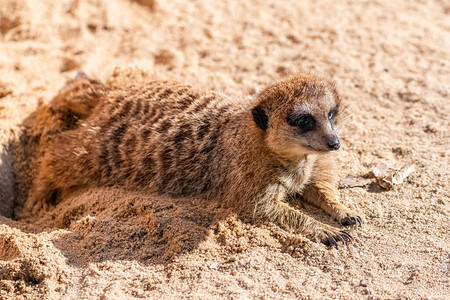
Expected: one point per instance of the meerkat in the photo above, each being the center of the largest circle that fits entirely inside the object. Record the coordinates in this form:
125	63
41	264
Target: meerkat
255	154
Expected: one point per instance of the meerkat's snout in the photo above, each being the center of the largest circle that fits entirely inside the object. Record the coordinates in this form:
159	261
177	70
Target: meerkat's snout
333	143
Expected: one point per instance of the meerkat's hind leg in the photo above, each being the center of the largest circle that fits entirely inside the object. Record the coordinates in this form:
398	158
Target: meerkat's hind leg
80	95
273	208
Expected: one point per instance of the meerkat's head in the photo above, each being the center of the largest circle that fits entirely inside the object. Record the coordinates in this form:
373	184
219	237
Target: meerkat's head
299	115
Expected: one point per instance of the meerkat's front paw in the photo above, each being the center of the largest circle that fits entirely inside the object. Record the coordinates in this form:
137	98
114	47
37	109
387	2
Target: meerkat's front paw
330	236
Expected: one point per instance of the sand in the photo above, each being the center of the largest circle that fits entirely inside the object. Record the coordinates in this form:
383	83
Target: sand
391	62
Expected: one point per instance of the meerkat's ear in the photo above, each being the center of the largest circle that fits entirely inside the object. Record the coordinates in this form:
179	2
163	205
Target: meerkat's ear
260	117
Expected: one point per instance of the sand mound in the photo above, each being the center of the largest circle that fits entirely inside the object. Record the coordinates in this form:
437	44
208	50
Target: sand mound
390	61
29	260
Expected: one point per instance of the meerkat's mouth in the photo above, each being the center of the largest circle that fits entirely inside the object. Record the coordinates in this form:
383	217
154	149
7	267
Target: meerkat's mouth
319	150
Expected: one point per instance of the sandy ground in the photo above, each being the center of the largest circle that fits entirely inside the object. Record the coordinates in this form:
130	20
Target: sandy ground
391	61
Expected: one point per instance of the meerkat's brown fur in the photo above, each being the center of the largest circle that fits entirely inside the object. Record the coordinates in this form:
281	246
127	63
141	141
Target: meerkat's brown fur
173	139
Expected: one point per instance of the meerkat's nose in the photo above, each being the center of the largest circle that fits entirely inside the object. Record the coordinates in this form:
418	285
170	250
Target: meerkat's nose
333	143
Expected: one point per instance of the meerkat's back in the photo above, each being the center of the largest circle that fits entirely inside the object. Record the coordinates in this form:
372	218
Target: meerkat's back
158	135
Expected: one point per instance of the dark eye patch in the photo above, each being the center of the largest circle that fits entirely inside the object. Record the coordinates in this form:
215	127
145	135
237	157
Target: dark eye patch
260	117
305	122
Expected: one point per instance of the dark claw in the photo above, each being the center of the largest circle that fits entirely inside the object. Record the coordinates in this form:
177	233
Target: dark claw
346	235
358	218
339	237
330	241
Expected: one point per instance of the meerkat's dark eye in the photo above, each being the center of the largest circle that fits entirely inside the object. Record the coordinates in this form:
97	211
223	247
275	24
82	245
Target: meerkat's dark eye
304	122
332	114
